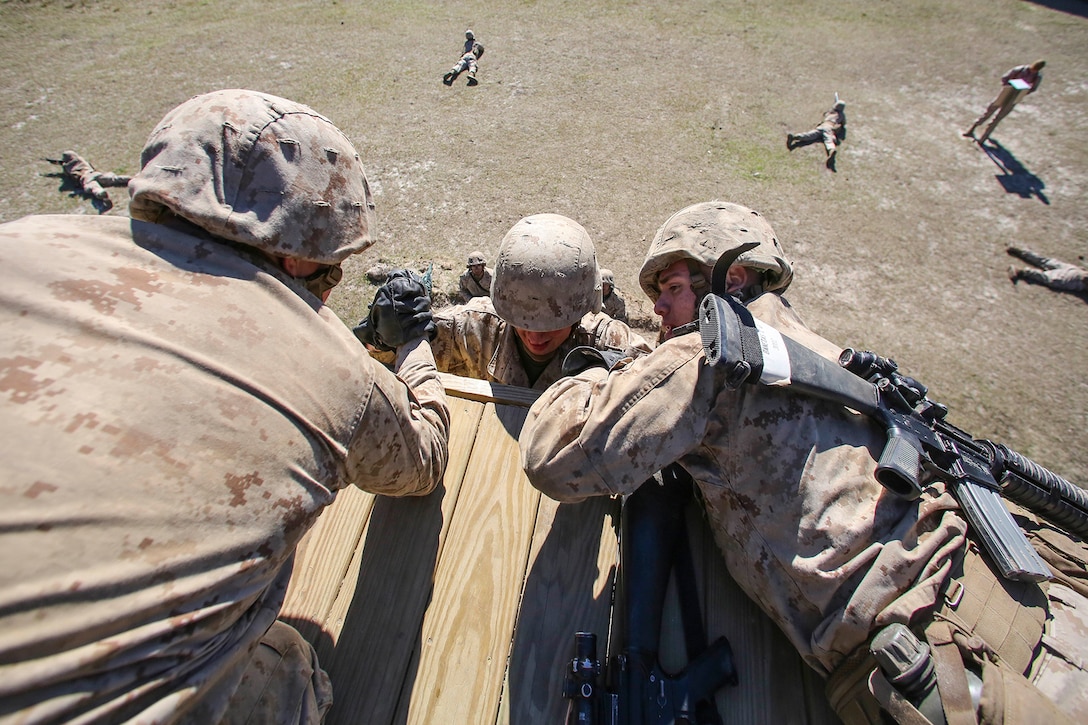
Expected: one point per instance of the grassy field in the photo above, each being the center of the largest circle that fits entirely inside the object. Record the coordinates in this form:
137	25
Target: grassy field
618	113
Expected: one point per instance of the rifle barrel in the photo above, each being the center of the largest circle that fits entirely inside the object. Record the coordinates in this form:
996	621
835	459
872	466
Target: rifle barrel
1041	491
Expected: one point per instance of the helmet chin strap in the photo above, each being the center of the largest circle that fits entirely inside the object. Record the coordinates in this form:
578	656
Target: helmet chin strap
721	268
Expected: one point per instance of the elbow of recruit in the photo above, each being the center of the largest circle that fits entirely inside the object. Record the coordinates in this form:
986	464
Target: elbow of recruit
541	469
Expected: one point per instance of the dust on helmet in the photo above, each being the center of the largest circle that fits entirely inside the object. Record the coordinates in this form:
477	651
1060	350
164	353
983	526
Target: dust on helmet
258	170
475	258
607	277
546	275
703	232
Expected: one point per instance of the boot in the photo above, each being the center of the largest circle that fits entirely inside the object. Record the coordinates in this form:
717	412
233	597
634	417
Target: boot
449	78
789	141
472	79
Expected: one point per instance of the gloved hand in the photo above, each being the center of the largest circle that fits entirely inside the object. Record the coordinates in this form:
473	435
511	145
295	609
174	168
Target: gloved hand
401	311
584	357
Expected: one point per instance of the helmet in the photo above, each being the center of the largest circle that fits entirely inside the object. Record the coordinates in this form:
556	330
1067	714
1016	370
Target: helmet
703	232
476	258
258	170
607	277
469	35
546	274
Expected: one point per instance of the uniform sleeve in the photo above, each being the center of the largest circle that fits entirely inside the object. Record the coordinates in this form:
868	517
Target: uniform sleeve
617	335
601	433
447	344
401	449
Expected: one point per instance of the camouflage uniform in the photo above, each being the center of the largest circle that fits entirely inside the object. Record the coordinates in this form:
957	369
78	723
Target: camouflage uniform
474	342
756	455
1052	273
614	306
472	52
787	482
831	130
177	412
613	303
472	287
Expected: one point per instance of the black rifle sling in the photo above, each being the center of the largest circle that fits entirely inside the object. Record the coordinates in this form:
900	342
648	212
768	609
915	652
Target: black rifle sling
654	545
696	640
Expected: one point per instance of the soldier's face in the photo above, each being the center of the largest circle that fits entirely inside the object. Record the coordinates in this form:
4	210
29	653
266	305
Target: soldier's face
477	270
318	278
677	303
541	346
606	289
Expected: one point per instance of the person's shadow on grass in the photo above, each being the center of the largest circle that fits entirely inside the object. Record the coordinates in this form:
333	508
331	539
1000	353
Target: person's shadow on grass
1014	177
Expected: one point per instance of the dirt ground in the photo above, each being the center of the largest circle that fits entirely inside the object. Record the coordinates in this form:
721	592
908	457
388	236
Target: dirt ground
618	113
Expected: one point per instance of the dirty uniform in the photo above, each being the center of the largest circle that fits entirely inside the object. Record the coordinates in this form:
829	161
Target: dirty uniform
474	342
468	62
472	287
1052	273
175	415
786	481
1007	98
90	181
614	306
831	131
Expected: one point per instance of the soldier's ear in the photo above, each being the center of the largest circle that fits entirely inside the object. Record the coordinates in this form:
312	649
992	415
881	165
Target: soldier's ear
291	266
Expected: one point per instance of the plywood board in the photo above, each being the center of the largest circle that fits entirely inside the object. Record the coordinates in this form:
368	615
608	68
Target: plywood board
377	617
470	623
568	588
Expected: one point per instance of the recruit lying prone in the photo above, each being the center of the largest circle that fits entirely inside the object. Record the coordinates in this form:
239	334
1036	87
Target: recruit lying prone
632	688
921	446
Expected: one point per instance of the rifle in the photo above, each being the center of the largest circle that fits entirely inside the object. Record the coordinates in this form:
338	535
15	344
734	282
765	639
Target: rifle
921	444
636	689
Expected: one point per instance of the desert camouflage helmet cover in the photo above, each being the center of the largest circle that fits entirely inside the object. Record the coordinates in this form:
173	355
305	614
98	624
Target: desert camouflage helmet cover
259	170
607	277
703	232
475	258
546	275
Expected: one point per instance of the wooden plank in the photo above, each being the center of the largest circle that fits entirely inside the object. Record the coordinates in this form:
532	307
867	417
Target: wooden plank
470	623
488	392
321	562
377	617
775	684
568	588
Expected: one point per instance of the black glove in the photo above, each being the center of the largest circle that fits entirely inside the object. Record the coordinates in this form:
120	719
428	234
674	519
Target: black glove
401	311
585	357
